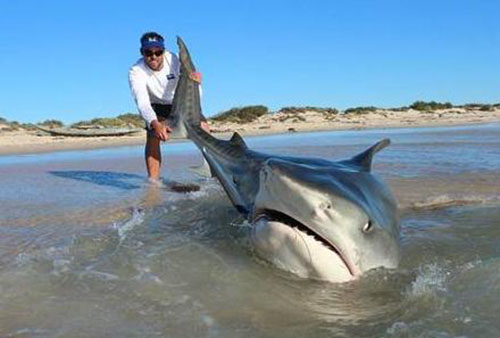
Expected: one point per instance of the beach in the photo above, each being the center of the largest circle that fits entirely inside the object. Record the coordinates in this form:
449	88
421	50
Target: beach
26	142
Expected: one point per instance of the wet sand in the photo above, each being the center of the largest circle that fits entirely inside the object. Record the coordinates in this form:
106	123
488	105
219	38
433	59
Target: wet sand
24	142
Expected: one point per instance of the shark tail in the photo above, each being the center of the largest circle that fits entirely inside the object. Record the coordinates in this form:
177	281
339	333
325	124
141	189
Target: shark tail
186	105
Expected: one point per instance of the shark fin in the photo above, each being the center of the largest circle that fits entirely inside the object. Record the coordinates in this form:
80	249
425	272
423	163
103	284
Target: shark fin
364	159
237	140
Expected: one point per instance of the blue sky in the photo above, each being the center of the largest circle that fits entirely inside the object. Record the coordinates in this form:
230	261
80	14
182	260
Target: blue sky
68	60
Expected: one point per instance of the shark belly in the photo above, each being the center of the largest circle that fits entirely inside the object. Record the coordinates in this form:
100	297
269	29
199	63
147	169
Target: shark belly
297	252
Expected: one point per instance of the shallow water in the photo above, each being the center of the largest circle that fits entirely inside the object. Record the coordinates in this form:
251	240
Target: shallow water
89	249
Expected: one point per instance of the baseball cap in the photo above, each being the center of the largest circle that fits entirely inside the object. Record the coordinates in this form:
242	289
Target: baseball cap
152	41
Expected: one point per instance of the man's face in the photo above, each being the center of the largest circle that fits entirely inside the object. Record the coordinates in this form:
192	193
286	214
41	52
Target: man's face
153	57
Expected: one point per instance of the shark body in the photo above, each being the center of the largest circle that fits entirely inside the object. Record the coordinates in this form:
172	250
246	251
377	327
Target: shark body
313	217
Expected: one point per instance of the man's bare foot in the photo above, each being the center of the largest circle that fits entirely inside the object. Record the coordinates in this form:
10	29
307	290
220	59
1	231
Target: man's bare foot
156	182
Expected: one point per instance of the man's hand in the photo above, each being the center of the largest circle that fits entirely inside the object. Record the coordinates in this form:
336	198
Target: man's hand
161	131
195	76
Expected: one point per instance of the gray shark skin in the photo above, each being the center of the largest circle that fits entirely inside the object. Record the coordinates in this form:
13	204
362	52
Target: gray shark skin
316	218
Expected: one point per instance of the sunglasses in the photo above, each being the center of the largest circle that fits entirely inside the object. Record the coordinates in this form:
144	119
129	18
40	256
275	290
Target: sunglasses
150	53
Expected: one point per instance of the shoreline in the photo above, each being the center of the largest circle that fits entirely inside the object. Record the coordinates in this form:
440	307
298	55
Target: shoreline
31	142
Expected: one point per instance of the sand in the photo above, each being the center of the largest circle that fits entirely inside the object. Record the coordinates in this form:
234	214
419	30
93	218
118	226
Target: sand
24	142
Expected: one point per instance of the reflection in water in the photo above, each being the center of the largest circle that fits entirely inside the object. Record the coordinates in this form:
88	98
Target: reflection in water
151	197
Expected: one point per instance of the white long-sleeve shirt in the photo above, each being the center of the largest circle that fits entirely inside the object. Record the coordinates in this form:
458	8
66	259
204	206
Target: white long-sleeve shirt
149	86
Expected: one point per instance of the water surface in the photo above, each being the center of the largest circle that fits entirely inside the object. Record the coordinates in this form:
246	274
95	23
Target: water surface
89	249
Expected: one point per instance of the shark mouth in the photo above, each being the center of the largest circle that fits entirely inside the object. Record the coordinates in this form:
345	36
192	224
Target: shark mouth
278	216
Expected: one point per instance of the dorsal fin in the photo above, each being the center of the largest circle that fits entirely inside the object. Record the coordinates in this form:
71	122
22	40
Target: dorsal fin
237	140
364	159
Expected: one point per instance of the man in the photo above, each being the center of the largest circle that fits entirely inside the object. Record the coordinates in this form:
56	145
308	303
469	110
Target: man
153	79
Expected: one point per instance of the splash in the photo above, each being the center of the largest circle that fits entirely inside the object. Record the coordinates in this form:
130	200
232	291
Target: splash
430	280
135	220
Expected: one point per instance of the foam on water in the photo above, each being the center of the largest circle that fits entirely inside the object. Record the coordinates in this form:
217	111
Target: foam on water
135	220
445	201
431	279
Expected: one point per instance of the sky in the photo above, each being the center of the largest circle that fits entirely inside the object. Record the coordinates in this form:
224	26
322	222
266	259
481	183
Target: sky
69	60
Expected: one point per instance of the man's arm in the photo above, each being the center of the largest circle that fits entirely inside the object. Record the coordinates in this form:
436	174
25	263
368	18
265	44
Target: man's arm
139	90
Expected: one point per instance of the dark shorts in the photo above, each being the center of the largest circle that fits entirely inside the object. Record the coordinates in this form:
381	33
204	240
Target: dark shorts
164	115
163	112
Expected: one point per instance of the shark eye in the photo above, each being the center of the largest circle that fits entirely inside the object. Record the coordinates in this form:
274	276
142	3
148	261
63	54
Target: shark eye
368	226
325	205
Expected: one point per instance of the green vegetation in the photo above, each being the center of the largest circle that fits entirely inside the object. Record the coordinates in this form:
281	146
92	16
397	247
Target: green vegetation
295	113
128	120
121	121
432	105
103	122
479	106
248	114
52	124
28	126
14	125
295	116
404	108
132	119
241	115
486	107
298	110
360	110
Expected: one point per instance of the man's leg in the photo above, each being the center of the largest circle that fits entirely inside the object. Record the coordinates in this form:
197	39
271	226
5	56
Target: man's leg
153	156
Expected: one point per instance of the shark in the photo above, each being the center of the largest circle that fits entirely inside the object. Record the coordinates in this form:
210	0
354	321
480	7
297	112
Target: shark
316	218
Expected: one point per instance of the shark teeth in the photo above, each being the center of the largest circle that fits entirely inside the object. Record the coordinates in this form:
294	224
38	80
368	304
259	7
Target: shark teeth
277	216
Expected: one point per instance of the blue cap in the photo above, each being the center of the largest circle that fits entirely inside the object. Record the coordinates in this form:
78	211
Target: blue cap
152	41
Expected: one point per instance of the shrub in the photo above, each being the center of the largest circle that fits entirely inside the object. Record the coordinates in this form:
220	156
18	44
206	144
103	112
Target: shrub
404	108
104	122
360	110
471	106
131	119
52	123
80	123
432	105
121	121
479	106
241	115
28	126
14	125
108	122
486	107
296	110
